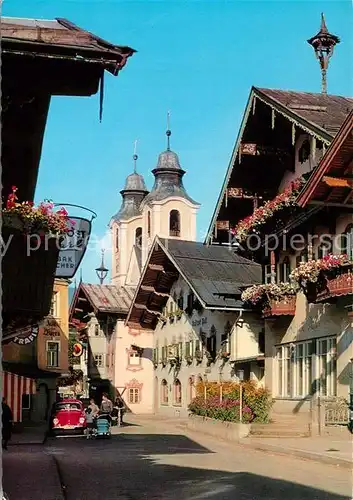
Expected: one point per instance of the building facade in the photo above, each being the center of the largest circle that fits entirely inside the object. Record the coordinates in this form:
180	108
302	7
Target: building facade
308	341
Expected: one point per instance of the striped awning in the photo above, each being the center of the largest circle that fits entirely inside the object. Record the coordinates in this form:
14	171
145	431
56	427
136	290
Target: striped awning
13	388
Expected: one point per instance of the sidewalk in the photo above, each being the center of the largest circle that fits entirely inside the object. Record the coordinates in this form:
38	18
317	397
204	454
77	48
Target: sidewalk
334	450
29	434
29	472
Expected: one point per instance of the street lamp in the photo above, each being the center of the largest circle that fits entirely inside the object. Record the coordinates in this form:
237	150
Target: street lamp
323	43
102	271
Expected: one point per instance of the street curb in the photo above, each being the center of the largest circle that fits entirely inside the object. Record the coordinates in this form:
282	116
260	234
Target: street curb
268	448
306	455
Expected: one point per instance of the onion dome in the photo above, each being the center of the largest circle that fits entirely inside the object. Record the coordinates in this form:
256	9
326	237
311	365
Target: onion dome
168	177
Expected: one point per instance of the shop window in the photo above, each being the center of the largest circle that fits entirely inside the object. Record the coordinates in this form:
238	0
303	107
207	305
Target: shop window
325	248
307	367
138	237
174	223
177	392
164	392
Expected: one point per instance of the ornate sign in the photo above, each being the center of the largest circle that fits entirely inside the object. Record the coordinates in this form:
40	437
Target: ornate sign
51	328
26	335
73	247
77	349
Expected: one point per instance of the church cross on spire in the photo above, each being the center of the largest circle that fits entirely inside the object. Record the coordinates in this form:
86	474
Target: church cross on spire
135	157
168	132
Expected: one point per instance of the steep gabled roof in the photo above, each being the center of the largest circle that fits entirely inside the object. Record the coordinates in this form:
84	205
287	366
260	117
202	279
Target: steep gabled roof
331	181
109	299
214	274
319	115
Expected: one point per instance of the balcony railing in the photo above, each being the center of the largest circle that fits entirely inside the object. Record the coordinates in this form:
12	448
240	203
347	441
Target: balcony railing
337	286
284	306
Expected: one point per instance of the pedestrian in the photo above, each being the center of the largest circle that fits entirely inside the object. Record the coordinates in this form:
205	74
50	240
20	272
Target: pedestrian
7	419
90	422
106	405
94	408
120	406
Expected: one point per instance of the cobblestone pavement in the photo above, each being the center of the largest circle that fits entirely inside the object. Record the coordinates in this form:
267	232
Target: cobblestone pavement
161	463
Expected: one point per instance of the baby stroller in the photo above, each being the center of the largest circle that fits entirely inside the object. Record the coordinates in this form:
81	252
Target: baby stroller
103	425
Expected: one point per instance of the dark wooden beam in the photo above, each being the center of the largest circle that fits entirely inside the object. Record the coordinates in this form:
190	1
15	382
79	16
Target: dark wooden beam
330	204
142	307
151	289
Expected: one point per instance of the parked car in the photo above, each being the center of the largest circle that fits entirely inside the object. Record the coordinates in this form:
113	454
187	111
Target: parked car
68	417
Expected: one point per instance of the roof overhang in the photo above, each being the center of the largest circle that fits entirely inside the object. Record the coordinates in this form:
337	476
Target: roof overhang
331	182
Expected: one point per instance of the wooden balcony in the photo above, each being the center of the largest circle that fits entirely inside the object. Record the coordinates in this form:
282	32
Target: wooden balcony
280	307
336	286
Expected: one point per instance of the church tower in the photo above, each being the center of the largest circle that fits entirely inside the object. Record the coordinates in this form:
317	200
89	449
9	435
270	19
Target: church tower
127	229
168	211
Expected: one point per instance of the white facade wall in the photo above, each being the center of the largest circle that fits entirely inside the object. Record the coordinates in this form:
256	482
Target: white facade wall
243	335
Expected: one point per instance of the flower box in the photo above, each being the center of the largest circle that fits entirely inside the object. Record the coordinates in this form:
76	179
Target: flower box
336	285
27	276
284	306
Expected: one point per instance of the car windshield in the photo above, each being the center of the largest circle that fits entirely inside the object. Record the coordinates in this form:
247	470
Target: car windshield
68	406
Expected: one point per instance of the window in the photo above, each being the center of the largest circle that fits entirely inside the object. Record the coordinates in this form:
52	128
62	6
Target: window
54	309
97	330
117	239
138	237
149	224
164	392
347	241
304	151
99	360
134	358
177	392
53	348
190	302
307	367
267	274
284	270
302	257
174	223
134	395
181	301
26	401
325	248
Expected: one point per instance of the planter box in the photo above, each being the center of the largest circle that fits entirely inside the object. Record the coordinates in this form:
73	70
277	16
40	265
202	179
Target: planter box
283	307
337	286
27	280
229	431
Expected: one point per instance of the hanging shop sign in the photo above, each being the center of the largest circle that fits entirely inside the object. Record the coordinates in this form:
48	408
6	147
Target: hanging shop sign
77	349
73	247
26	335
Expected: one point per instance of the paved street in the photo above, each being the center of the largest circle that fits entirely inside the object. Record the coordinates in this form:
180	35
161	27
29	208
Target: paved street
143	462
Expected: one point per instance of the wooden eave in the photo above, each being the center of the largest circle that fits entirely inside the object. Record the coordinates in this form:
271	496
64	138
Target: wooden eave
331	183
295	121
153	291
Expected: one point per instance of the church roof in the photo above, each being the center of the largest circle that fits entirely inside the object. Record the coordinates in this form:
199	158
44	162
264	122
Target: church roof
168	179
133	193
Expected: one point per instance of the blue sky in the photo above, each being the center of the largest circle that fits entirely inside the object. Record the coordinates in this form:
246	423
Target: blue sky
197	59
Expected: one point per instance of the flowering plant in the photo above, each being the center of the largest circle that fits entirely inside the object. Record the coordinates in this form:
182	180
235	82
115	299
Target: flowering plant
258	294
309	272
225	410
37	218
262	214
